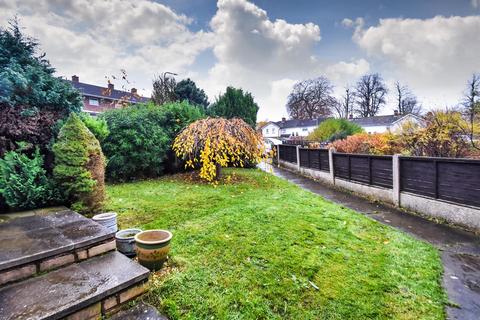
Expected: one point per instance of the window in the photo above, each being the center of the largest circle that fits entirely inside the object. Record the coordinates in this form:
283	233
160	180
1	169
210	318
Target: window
305	129
273	130
93	102
267	131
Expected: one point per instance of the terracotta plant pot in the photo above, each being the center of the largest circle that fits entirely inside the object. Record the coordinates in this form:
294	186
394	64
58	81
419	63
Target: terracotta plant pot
152	248
126	241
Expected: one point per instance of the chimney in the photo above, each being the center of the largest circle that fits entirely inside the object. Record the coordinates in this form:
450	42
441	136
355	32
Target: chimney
133	90
350	116
395	112
283	119
110	86
75	78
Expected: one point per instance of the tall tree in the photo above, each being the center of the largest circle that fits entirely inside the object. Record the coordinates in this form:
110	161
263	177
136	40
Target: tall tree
344	107
311	99
406	100
32	99
188	90
164	89
370	93
471	108
235	103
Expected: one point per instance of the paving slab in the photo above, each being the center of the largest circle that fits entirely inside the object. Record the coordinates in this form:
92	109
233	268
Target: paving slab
141	311
460	249
31	238
59	293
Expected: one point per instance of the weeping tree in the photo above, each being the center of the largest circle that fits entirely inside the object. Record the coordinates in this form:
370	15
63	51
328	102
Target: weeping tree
213	143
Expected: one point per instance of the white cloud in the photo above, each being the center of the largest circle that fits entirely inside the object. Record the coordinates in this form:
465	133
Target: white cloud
434	56
266	57
98	38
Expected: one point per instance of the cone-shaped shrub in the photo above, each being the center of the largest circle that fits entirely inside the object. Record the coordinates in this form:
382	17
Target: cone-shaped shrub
80	166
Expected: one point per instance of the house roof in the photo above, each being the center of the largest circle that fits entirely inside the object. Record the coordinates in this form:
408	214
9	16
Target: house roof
379	120
295	123
102	92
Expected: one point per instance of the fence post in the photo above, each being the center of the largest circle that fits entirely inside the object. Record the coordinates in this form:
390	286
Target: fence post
330	164
278	155
396	179
298	158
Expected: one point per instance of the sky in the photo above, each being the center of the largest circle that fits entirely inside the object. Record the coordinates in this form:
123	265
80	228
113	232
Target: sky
263	46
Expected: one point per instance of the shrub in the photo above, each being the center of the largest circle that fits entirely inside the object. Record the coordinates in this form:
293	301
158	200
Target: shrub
23	180
443	135
235	103
80	166
377	143
214	143
334	129
97	126
140	138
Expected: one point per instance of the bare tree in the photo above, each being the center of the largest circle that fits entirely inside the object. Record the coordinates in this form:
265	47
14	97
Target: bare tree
164	88
406	101
311	99
471	107
370	93
344	107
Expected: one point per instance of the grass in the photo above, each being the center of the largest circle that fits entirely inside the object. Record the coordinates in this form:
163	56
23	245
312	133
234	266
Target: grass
262	248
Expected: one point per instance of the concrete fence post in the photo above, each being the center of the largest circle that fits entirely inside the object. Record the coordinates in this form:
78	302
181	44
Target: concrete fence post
278	155
298	158
396	179
330	164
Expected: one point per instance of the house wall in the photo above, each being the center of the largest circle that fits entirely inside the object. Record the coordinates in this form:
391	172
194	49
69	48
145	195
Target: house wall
103	105
271	131
298	131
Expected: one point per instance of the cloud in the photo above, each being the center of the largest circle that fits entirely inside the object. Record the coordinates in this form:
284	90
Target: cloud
266	57
435	56
249	50
98	38
475	4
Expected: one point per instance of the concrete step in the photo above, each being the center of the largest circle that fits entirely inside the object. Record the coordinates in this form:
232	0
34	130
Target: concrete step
141	311
40	243
84	290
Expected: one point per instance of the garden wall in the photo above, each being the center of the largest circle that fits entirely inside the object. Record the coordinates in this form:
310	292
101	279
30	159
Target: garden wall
441	188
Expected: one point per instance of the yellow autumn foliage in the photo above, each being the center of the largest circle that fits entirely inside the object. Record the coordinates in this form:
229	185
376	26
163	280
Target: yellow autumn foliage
213	143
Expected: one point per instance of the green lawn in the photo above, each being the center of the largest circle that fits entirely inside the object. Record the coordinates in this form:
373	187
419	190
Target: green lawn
262	248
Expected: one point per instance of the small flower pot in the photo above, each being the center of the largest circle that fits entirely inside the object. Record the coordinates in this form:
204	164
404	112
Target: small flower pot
152	248
108	220
126	241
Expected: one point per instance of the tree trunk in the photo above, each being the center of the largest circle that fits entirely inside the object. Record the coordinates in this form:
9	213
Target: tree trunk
218	171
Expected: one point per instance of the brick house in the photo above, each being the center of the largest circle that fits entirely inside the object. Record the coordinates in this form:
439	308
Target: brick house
97	99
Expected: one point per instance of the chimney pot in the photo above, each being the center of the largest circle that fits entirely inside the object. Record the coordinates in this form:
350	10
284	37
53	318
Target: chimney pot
133	90
75	78
395	112
283	119
110	86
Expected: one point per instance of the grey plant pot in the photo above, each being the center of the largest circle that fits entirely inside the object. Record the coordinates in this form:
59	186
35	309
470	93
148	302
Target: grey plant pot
108	220
126	241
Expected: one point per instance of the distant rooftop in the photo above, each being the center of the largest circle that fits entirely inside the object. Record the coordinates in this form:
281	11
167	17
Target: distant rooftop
377	120
108	92
294	123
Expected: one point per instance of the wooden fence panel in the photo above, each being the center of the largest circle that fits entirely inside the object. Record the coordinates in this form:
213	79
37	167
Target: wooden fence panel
304	158
314	158
381	169
341	165
454	180
324	161
288	153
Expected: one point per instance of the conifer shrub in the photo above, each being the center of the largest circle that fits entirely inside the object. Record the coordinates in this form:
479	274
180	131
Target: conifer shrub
24	183
80	166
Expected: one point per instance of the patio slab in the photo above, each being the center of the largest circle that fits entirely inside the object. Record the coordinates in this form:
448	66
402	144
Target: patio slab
34	237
